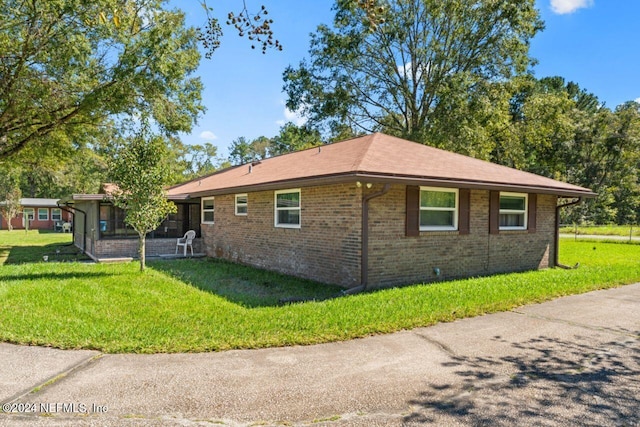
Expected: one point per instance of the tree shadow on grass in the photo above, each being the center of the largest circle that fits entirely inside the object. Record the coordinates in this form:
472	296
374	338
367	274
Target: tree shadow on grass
55	252
549	382
244	285
54	276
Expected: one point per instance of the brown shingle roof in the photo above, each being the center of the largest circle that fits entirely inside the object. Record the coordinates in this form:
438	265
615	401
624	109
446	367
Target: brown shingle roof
373	158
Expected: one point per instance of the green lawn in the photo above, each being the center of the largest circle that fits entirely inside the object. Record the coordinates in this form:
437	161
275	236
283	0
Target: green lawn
20	246
202	305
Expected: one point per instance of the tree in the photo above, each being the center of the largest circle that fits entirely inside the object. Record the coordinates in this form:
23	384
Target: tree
140	171
395	76
242	151
71	64
203	160
294	138
10	205
562	131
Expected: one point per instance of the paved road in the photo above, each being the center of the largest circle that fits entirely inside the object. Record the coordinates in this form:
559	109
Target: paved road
572	361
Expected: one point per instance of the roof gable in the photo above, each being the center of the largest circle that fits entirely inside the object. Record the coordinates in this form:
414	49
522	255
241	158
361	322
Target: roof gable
375	157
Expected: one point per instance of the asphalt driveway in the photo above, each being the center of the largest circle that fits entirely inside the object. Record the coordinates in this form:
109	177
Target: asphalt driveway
572	361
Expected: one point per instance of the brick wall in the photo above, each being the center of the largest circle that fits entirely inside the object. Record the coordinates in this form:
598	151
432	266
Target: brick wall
395	259
106	248
325	248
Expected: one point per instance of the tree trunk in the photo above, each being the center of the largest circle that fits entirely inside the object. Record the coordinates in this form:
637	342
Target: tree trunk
141	251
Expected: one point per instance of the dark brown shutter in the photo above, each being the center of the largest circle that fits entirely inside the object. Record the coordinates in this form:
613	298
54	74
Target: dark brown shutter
413	211
494	212
531	220
464	210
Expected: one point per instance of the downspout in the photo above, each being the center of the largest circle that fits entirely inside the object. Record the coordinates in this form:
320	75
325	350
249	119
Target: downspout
84	228
556	248
364	256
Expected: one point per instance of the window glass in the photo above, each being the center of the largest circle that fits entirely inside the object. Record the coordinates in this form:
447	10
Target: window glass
111	222
438	209
241	204
28	213
288	200
512	203
512	220
287	208
208	209
56	214
43	214
438	199
436	218
513	211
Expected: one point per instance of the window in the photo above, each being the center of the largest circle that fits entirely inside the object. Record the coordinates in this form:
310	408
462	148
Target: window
438	209
56	214
28	213
43	214
513	211
241	204
287	208
208	208
111	223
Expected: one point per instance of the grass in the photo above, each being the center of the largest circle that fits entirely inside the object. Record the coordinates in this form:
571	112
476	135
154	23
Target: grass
20	246
205	305
603	230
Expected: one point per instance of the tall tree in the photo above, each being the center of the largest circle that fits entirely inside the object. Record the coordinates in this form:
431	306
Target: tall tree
10	205
394	76
240	151
203	159
140	170
69	64
243	151
294	138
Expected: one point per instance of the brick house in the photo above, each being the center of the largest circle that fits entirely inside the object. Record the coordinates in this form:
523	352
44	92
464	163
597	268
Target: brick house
42	214
379	211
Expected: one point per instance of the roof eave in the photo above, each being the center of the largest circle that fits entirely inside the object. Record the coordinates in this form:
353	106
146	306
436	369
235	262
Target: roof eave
384	179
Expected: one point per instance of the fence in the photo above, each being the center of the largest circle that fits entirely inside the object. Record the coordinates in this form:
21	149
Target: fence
614	232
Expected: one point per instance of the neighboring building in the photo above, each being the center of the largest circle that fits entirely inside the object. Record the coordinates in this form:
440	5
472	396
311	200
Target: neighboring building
377	211
371	211
42	214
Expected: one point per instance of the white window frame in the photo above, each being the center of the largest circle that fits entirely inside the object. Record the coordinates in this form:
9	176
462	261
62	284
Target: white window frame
203	210
46	211
525	212
54	212
239	204
29	213
276	209
455	209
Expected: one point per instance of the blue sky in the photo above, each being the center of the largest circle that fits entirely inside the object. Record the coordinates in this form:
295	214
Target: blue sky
591	42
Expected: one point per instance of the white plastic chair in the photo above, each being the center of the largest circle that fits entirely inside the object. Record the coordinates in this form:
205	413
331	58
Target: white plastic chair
185	241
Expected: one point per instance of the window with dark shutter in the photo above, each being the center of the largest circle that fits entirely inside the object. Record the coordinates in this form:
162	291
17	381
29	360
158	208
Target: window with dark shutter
464	220
413	211
494	212
531	221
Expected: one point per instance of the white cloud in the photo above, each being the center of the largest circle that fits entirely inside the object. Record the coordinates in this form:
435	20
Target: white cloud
637	100
207	134
292	116
406	70
563	7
